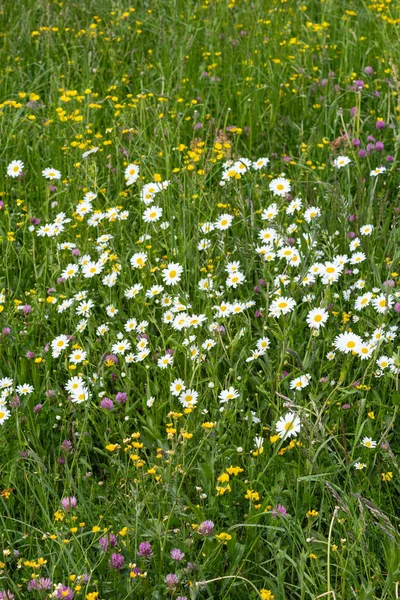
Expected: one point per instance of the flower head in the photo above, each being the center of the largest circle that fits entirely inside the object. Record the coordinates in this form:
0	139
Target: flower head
176	554
15	168
145	550
206	528
69	502
288	425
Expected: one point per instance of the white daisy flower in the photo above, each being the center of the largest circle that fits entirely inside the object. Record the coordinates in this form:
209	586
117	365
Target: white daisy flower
341	161
15	168
280	186
51	173
289	425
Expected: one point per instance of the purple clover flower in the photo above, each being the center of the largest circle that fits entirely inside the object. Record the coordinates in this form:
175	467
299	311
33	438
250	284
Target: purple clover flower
112	358
279	510
109	541
44	583
172	581
145	550
107	403
121	397
358	85
176	554
206	528
65	593
69	502
15	401
66	446
117	561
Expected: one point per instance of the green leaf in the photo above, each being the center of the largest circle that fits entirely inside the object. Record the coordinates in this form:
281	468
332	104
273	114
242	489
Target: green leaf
396	398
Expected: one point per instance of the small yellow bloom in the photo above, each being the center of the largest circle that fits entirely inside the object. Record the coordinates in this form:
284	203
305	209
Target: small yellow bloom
250	495
111	447
223	490
266	594
223	537
234	470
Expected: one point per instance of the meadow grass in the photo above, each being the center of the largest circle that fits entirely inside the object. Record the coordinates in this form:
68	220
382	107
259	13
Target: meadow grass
199	301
